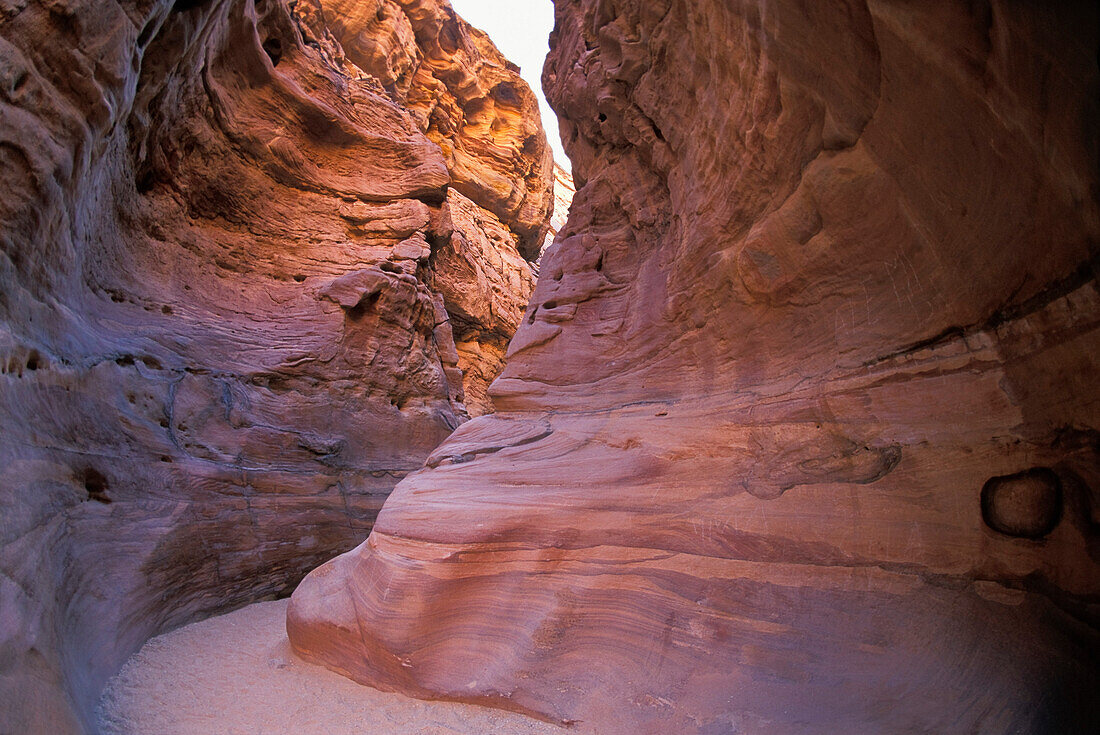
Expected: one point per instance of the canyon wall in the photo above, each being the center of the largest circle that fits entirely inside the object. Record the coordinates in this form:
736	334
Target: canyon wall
237	242
564	190
801	431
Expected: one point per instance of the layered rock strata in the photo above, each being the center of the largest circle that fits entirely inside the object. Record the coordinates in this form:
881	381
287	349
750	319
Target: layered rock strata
800	431
564	190
234	255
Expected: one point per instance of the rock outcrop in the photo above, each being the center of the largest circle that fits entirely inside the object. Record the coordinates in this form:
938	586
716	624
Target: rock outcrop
237	240
801	431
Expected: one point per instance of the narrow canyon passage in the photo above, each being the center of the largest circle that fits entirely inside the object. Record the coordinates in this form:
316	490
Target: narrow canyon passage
258	260
799	431
792	426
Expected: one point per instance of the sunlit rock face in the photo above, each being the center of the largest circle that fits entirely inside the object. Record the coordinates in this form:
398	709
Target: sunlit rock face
564	190
465	96
234	257
800	431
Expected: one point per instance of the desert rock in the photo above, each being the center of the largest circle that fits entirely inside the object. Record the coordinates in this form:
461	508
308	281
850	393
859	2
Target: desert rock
226	301
563	197
830	269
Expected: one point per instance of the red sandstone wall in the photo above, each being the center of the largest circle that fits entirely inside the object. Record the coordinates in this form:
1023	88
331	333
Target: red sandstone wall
233	258
799	433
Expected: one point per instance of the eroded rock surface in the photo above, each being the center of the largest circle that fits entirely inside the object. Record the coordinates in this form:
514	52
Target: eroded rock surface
830	269
235	240
564	190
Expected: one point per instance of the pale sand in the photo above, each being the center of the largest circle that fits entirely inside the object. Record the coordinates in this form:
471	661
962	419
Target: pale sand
236	675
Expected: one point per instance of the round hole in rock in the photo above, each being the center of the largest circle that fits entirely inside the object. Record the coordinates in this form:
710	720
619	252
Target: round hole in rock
273	47
95	484
20	81
450	36
507	93
365	306
1027	504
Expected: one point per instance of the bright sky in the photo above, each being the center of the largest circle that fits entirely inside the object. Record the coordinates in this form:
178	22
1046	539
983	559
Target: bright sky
520	29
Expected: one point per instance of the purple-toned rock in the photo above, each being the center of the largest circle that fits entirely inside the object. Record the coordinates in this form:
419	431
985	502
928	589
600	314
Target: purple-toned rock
225	309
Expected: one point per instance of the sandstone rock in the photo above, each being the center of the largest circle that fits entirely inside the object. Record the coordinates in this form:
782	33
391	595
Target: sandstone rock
414	248
830	270
220	341
563	197
485	284
466	97
1027	504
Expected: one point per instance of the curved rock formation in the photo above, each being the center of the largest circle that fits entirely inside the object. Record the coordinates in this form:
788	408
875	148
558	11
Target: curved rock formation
233	259
831	270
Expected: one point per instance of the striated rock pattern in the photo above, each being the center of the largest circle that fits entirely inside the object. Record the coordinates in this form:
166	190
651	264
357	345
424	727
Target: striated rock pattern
563	197
482	279
465	96
234	257
801	431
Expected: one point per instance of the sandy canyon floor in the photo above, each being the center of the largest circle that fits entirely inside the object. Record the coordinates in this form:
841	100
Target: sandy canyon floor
236	675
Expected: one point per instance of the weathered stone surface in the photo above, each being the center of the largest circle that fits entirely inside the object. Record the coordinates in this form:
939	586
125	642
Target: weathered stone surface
466	97
830	269
1027	504
220	338
485	285
563	197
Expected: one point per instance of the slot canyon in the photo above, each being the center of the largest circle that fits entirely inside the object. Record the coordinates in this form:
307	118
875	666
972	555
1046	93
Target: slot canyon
788	423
